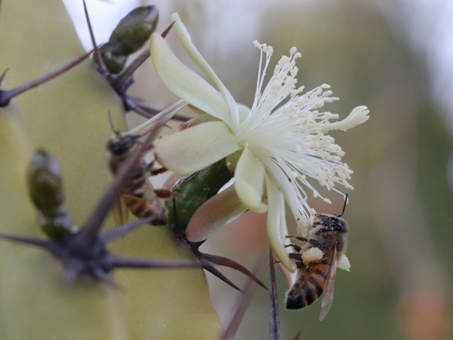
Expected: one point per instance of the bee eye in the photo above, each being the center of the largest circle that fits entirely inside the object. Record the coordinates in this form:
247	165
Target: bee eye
340	225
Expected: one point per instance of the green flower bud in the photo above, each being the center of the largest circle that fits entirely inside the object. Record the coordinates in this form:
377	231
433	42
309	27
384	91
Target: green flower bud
129	35
192	191
134	30
45	186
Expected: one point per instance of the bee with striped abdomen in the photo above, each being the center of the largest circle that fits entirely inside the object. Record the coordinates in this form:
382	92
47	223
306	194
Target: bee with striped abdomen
138	195
317	263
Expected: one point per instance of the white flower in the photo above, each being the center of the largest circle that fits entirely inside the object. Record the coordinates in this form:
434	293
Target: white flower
277	146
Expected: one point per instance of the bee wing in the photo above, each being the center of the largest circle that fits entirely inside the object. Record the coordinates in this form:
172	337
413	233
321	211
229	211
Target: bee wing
327	296
120	212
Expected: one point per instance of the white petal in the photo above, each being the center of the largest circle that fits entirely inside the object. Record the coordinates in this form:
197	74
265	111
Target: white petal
276	224
184	82
249	181
216	212
243	112
198	59
195	148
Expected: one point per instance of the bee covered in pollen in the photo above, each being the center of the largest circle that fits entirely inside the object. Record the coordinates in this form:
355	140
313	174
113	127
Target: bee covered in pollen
317	263
138	194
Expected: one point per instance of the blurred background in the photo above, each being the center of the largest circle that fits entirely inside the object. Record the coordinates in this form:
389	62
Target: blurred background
394	56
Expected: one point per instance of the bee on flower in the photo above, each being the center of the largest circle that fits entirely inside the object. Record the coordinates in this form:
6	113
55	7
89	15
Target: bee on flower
274	148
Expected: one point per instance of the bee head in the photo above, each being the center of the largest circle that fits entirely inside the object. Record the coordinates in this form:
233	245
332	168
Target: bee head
121	144
331	223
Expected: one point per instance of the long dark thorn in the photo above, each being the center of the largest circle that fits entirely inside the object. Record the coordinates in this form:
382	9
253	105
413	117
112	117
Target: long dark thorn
297	337
29	240
203	258
214	271
152	112
6	96
242	305
145	111
114	234
3	74
164	33
274	315
223	261
130	104
101	67
131	263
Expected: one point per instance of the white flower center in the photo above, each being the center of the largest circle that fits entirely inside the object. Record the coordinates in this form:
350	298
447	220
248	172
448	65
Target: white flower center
285	131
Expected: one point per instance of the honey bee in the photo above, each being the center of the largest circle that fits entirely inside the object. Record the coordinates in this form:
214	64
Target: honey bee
329	234
138	194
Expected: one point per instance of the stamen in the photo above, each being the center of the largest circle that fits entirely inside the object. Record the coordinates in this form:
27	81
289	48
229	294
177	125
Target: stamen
285	131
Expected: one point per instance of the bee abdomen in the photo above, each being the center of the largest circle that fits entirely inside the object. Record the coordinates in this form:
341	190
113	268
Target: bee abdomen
303	294
309	287
142	208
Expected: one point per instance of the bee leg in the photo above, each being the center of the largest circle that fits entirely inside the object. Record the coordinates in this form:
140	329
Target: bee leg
296	247
153	172
164	193
295	256
300	238
312	241
158	171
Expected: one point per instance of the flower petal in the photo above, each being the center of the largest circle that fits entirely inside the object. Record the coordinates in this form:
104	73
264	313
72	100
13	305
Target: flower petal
249	181
243	112
276	224
216	212
195	148
184	82
198	59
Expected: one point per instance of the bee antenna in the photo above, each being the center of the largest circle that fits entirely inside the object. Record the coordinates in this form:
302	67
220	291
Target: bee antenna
112	126
344	205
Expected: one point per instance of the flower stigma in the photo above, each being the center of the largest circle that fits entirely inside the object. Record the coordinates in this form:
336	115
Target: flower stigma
277	148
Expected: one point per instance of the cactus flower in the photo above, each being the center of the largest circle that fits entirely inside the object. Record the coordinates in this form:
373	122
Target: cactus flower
276	148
